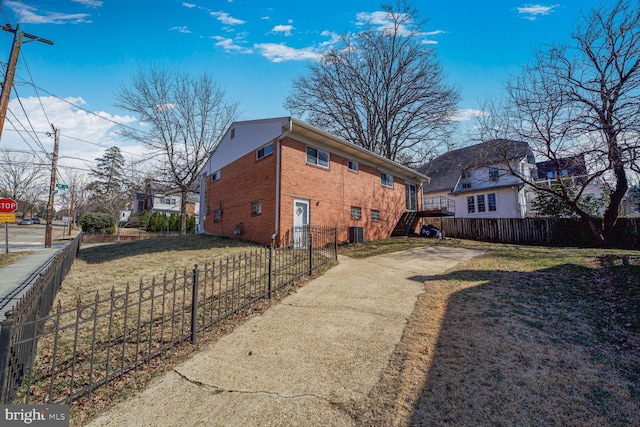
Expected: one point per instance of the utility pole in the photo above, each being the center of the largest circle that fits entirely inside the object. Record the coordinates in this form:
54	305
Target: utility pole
11	67
52	188
72	207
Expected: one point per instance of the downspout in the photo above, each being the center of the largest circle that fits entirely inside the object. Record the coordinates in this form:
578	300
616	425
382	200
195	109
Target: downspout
278	167
201	211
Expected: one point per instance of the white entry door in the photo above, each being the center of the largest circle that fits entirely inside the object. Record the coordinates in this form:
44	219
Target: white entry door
300	223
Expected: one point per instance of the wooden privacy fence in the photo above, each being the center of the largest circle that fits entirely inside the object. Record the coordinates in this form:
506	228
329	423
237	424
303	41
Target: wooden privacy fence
58	357
537	231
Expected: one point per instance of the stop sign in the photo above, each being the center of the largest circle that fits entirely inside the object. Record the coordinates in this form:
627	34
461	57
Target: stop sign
7	205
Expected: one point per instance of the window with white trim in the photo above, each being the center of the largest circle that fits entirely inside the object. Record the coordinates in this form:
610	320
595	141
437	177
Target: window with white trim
386	180
471	204
317	157
482	207
375	215
491	199
356	212
264	151
494	174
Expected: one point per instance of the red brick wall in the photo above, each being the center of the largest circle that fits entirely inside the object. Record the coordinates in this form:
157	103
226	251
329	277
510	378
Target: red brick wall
333	191
242	182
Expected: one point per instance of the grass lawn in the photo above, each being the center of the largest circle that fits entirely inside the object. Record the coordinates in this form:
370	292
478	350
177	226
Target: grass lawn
530	336
101	267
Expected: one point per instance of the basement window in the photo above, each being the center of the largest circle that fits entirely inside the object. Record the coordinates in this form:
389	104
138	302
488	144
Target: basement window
256	208
356	212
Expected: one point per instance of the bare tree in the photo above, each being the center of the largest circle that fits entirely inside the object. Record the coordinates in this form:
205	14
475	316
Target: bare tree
22	178
381	89
186	116
582	98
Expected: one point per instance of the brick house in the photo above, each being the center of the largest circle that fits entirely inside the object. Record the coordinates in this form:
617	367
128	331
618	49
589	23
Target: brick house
267	176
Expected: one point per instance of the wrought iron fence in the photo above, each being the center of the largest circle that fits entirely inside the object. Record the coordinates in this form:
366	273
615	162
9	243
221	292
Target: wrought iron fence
38	300
61	356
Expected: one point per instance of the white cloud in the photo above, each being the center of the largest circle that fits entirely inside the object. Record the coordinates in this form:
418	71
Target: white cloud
381	20
75	124
230	45
466	114
227	19
280	53
532	11
31	15
284	29
188	5
334	38
89	3
182	29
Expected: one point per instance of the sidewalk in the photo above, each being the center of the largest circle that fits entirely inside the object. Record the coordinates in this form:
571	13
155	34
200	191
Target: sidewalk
323	346
19	273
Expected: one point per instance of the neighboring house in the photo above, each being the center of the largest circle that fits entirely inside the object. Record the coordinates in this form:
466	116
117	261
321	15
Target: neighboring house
572	169
479	180
156	198
267	176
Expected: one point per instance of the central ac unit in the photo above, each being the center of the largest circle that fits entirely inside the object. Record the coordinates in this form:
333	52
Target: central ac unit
356	234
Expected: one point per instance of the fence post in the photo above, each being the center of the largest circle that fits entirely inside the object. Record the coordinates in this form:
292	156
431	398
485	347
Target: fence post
5	338
270	270
335	242
194	305
310	253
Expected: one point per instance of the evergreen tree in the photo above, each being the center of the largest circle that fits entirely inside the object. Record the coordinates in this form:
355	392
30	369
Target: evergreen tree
108	185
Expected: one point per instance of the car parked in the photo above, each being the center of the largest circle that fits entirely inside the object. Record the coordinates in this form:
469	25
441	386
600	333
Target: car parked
25	221
35	220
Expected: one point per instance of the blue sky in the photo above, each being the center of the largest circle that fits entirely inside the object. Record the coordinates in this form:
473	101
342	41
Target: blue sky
253	49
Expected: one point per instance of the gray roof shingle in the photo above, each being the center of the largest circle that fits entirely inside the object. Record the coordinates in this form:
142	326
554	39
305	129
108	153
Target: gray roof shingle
446	169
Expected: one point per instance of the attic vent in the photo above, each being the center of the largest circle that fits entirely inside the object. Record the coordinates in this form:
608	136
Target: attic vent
233	133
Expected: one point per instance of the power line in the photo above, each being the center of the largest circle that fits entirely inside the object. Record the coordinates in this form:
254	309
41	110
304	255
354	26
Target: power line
24	82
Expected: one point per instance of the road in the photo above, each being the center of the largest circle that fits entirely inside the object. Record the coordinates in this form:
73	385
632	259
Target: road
25	237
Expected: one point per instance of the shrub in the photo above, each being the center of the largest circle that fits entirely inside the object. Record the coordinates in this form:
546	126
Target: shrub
98	222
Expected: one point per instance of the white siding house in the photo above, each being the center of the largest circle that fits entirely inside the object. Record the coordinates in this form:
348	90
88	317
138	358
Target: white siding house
479	180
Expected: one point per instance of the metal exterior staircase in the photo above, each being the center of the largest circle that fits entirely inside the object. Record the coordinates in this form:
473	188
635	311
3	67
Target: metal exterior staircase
405	225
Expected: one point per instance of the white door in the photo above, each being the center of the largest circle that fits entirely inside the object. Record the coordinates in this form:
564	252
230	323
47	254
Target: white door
300	223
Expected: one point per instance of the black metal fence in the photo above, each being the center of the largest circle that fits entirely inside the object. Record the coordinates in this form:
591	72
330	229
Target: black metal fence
56	358
36	302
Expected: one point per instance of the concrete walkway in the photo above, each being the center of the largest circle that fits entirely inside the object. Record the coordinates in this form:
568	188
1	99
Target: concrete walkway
20	272
324	345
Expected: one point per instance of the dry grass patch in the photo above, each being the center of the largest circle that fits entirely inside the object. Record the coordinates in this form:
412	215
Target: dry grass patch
10	258
520	336
101	267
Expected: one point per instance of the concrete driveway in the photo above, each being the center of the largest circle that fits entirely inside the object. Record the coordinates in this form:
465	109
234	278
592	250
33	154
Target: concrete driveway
294	365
